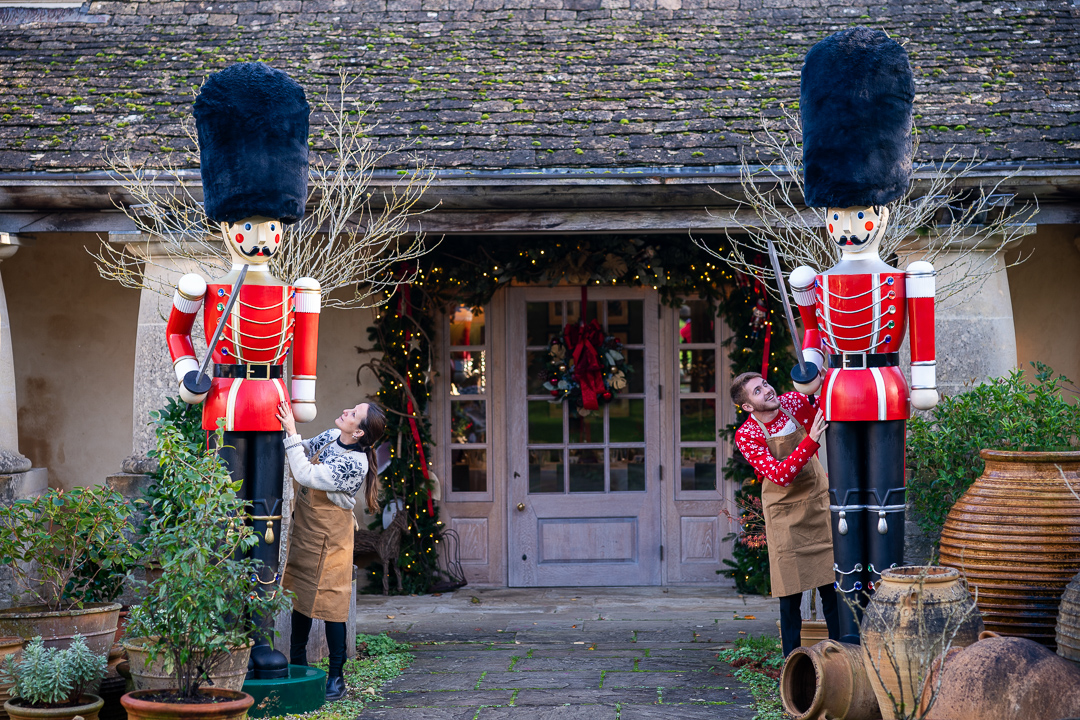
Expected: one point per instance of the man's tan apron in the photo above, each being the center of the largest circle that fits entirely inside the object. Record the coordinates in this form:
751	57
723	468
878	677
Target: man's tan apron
319	564
797	521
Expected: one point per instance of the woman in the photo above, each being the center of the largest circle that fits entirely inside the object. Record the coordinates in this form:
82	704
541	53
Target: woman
329	470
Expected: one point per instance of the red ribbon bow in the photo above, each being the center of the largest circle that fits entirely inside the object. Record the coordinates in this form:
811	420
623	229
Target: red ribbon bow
584	341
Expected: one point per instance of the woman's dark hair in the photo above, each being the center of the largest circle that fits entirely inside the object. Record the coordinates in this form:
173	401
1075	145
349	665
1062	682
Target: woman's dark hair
373	426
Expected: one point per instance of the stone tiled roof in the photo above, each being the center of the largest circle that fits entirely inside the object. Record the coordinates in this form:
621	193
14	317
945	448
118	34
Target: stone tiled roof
488	84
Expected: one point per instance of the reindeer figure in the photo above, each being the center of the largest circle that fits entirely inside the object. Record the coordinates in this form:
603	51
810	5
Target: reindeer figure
385	544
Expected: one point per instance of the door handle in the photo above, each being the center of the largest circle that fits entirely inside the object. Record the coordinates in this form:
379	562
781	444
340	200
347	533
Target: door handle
521	507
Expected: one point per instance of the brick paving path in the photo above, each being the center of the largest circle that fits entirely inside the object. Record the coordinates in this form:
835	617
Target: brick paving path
568	653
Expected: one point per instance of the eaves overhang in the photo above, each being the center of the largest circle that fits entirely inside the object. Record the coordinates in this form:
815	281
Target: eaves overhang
651	199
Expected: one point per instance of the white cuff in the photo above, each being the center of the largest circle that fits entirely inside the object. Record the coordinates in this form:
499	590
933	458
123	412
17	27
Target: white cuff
303	389
924	375
293	441
308	295
920	280
183	366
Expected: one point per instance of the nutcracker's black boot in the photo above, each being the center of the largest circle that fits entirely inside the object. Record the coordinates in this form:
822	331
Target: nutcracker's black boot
335	688
268	664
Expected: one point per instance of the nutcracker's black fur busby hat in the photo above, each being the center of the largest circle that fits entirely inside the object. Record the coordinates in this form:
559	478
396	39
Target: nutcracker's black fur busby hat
252	122
856	105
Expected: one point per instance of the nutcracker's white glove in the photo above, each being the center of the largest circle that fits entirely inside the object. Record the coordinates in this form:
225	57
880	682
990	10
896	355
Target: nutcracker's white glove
812	387
189	398
924	398
303	411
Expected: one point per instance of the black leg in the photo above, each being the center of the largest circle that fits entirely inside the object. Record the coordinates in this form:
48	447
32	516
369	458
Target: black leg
847	453
301	631
335	640
258	460
885	481
830	610
790	622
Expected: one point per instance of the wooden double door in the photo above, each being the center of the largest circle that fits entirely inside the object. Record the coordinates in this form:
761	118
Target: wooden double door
584	490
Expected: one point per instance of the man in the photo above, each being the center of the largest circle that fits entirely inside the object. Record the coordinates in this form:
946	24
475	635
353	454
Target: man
780	441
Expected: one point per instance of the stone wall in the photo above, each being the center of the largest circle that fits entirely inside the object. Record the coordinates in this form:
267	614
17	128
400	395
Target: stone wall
72	340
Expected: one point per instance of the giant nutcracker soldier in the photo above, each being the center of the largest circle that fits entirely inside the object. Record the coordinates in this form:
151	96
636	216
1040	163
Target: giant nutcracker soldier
252	123
856	106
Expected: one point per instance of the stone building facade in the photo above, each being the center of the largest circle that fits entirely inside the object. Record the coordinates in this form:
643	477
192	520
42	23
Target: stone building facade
538	116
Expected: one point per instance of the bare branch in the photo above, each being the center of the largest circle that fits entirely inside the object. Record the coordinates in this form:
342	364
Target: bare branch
353	241
965	250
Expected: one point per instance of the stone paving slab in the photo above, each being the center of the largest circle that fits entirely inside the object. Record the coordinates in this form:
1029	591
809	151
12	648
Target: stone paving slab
556	712
541	654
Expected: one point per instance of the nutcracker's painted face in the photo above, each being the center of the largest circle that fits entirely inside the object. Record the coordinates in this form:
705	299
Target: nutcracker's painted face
857	229
253	241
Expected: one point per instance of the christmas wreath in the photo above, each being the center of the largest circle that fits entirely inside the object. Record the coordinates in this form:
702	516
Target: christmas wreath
586	367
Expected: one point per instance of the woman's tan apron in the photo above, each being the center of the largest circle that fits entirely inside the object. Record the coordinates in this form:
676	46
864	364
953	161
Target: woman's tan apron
320	559
797	522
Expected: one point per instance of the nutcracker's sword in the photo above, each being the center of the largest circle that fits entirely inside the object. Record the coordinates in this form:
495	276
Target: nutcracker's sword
197	382
805	372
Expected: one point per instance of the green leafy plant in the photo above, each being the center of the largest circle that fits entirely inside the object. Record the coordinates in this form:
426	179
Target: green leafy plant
375	645
201	607
1008	413
762	652
49	677
757	662
67	547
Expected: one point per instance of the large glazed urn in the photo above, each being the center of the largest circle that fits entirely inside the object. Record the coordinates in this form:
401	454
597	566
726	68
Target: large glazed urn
915	615
1015	534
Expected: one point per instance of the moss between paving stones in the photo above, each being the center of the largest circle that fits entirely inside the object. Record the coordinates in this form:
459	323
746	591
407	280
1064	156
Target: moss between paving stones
363	678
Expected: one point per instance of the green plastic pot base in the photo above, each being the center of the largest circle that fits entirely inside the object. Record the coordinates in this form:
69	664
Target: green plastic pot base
303	691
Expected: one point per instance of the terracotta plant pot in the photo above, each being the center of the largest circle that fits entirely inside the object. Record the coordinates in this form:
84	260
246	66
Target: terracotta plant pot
95	621
1068	623
234	706
911	610
827	680
8	646
1002	678
229	674
1015	534
92	704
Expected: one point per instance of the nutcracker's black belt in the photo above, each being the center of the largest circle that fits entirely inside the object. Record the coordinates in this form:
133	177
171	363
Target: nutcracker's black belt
253	371
861	361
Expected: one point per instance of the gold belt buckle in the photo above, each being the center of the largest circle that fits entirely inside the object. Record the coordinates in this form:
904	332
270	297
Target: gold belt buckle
251	366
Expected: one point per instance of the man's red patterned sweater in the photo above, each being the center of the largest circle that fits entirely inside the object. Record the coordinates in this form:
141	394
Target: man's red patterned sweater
751	441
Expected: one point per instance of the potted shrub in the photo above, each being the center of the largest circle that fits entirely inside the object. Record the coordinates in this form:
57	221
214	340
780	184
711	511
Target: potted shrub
991	471
69	556
51	684
196	616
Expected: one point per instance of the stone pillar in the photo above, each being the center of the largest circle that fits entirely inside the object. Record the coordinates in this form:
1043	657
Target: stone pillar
154	380
10	459
17	478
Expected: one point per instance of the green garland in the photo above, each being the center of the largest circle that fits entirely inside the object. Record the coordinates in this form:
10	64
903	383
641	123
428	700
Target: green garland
464	272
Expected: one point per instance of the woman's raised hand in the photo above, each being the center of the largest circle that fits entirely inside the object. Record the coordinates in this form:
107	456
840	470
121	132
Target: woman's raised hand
285	415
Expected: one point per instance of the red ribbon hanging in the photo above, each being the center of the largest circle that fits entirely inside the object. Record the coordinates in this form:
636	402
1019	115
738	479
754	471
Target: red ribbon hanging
583	341
405	308
765	351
